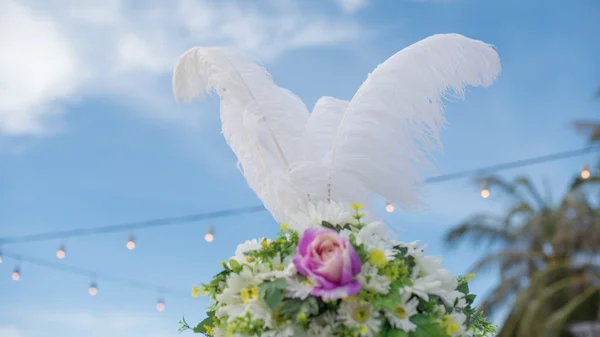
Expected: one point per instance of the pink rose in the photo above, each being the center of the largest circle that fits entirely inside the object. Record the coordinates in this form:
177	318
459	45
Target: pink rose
329	261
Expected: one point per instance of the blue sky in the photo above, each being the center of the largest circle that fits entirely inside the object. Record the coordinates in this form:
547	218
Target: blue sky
90	135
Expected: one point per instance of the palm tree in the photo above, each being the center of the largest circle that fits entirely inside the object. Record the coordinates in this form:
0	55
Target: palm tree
590	128
529	244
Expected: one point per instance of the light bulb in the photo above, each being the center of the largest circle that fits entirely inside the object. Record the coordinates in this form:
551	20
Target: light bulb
131	243
0	256
93	289
60	253
585	172
209	236
160	305
389	207
485	192
16	275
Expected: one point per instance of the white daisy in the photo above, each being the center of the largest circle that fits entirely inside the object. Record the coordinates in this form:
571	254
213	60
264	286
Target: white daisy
400	317
237	285
374	237
284	330
218	332
258	310
461	304
455	324
298	287
313	214
246	247
423	286
241	296
323	325
413	248
359	315
280	267
370	279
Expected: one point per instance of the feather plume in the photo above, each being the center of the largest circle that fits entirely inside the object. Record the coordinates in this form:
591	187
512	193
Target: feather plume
385	136
262	123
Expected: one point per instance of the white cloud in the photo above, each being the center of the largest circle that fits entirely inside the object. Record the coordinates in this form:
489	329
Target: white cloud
85	323
10	331
67	50
351	6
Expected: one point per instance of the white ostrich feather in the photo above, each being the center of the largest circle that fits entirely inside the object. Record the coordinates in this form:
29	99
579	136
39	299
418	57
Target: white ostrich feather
378	143
262	123
387	132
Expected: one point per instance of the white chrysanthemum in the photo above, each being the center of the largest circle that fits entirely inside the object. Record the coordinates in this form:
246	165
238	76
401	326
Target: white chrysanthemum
323	325
413	248
241	296
238	286
360	315
400	317
298	287
375	235
370	279
455	324
461	303
424	286
280	267
258	310
218	331
314	214
431	278
248	246
284	330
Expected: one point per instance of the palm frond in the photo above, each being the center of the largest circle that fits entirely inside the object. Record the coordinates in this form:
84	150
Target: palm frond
479	228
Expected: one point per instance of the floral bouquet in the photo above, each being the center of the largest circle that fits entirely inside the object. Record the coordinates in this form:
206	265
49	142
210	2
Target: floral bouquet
342	279
333	271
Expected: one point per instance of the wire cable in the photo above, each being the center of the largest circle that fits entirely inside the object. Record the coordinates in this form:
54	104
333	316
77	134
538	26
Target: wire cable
130	226
95	276
256	209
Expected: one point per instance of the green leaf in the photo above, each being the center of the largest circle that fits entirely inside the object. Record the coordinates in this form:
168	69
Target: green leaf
207	321
388	302
402	251
291	307
327	225
470	298
235	266
272	292
427	326
463	287
396	333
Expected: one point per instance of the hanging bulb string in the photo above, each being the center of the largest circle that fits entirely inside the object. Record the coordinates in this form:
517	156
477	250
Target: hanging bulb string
257	209
132	226
96	277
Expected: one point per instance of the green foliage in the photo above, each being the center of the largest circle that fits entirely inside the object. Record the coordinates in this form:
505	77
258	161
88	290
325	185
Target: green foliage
272	292
427	326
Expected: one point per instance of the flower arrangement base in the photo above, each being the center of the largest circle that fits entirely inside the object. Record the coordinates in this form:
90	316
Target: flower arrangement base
345	279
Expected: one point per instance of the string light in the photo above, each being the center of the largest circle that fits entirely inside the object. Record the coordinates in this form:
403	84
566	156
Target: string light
160	305
61	253
210	236
93	289
485	192
585	172
92	276
16	275
389	207
256	209
131	243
